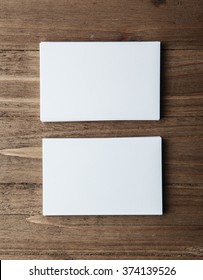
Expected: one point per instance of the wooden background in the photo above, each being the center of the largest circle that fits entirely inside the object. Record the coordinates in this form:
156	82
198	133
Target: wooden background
24	232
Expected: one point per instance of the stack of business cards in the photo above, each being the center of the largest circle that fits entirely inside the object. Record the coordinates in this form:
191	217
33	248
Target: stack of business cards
102	176
94	81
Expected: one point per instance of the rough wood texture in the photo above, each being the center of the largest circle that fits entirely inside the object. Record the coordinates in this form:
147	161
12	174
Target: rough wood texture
177	23
24	232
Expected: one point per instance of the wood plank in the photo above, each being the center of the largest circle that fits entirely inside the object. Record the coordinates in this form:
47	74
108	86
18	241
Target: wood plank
182	158
28	131
24	65
175	253
177	23
181	83
182	206
110	241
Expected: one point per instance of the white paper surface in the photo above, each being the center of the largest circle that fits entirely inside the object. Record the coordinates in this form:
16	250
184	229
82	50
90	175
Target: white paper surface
102	176
83	81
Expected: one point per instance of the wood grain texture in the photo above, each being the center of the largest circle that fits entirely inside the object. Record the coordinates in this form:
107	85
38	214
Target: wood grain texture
176	23
97	240
24	232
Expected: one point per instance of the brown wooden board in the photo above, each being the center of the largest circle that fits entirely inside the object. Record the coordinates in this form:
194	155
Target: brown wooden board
24	232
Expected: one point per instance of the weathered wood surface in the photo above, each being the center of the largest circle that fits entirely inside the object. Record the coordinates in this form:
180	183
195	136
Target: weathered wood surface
177	23
24	232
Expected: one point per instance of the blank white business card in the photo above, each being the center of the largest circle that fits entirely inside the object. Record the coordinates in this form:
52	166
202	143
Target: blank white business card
102	176
87	81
